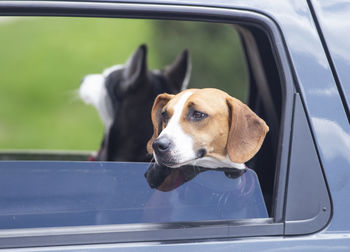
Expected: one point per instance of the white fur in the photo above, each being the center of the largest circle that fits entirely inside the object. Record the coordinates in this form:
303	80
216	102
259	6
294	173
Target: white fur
93	91
182	150
210	162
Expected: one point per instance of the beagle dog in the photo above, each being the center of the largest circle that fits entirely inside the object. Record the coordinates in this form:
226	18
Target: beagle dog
205	128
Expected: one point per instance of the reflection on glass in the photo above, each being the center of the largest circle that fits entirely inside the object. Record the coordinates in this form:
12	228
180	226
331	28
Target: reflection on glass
53	194
166	179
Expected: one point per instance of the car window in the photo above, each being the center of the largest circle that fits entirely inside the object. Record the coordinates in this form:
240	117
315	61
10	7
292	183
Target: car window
56	194
63	189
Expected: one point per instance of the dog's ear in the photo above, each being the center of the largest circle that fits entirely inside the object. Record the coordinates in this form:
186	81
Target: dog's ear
179	72
160	101
135	67
247	131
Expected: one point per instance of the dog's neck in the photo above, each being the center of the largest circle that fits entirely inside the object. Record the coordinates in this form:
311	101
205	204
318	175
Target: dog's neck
209	162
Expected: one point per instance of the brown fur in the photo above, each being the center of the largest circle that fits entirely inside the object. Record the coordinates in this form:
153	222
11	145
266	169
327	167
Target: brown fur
247	132
160	101
212	132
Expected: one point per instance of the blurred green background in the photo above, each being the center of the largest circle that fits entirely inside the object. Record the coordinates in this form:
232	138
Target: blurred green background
42	61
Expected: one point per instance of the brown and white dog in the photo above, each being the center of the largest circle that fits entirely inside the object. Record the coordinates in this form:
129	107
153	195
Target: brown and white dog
205	128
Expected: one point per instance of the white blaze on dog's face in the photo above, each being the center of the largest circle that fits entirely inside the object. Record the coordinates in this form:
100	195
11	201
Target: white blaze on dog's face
204	127
182	150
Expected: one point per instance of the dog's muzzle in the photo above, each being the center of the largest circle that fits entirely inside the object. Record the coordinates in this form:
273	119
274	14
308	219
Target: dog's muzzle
161	145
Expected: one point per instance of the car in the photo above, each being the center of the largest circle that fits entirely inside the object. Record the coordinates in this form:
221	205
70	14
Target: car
294	197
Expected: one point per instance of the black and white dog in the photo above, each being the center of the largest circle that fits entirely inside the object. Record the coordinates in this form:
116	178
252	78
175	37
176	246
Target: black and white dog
123	96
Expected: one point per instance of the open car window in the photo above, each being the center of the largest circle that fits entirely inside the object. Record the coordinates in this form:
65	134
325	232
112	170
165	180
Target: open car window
43	114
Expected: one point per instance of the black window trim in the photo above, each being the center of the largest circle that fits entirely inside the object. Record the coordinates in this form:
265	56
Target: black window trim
166	231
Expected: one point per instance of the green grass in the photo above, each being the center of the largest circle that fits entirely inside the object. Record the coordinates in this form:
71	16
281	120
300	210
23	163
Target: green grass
42	61
217	55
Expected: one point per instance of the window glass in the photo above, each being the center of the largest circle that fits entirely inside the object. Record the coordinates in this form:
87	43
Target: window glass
53	194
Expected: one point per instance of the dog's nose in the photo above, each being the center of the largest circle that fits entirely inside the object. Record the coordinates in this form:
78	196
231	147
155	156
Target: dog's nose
161	144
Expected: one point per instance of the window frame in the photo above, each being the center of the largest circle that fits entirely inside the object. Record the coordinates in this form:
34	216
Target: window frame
168	231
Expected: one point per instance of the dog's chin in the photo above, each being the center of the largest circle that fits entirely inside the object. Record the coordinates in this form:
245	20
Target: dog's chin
173	162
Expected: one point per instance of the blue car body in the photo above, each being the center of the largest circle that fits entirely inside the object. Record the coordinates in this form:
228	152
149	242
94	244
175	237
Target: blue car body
312	41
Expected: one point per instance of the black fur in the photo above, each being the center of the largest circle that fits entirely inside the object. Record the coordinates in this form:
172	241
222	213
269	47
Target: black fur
132	90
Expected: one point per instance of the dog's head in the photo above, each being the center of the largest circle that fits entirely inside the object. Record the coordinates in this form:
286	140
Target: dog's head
204	127
123	96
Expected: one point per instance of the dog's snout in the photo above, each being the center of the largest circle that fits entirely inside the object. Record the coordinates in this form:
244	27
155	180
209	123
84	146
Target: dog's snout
161	145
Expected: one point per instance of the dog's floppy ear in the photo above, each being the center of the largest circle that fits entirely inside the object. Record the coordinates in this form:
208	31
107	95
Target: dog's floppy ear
135	67
160	101
179	72
247	132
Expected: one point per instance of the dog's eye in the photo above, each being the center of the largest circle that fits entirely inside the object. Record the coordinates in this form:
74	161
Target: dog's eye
164	116
197	116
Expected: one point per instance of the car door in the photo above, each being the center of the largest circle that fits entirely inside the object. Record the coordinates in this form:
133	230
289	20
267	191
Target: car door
289	75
